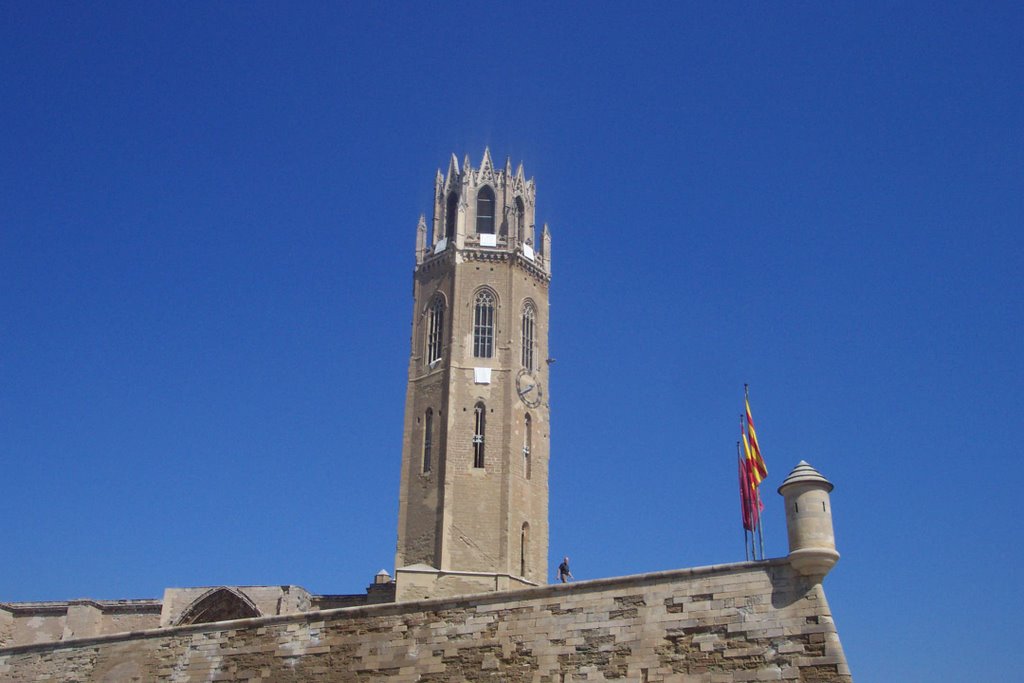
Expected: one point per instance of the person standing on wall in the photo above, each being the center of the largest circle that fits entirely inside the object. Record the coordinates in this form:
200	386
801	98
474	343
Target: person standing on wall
563	570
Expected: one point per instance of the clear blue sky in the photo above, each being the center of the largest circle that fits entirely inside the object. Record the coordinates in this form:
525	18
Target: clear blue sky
207	222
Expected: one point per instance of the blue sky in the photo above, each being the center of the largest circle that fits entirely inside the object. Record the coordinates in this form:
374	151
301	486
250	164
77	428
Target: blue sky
207	222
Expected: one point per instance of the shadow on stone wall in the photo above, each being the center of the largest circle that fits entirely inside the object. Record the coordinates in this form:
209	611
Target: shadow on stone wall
788	587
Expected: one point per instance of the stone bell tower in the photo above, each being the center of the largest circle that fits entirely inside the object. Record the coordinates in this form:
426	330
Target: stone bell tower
473	504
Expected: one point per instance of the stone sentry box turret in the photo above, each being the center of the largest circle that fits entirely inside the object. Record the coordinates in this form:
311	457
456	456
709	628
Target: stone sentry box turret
812	543
473	500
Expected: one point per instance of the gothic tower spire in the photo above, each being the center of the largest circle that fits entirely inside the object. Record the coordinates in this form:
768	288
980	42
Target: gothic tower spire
473	503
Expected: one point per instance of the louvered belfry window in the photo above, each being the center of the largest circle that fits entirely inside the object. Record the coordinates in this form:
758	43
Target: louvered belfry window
483	324
529	322
435	330
520	220
485	211
451	213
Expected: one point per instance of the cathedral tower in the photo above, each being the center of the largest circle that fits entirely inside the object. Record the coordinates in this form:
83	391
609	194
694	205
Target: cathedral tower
473	504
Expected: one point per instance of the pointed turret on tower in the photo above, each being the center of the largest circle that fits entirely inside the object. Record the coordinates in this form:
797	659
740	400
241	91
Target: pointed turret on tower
421	239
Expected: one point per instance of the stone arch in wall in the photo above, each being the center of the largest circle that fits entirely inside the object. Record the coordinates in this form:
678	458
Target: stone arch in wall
218	604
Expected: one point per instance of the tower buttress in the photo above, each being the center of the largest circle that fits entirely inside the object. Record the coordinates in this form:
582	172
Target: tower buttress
473	503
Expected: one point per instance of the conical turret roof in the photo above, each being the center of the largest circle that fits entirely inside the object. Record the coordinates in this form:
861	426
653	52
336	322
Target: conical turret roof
804	473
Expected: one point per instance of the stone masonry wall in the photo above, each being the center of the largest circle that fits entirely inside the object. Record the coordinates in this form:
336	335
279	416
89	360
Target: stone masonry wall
30	623
722	624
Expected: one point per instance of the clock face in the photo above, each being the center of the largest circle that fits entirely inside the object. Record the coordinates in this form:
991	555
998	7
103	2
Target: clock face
529	389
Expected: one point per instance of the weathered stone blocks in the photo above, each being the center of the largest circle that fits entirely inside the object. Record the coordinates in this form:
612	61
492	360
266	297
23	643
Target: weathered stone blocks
666	627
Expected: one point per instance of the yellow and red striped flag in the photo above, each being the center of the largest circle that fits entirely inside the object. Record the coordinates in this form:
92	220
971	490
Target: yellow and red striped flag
750	500
747	509
758	470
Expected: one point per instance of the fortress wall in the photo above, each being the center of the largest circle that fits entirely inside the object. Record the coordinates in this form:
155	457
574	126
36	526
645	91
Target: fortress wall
721	624
44	622
38	628
117	623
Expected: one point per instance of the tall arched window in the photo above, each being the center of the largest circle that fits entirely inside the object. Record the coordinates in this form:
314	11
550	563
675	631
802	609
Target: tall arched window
451	212
479	427
527	445
483	324
485	211
435	329
520	219
529	321
524	548
428	439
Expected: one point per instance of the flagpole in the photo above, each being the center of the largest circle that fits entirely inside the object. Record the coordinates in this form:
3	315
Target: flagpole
743	505
753	532
755	507
760	535
756	532
749	493
760	525
750	500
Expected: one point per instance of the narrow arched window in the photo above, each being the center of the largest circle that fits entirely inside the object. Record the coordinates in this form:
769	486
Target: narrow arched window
524	548
435	330
527	446
483	324
485	211
451	212
520	219
479	427
529	322
428	439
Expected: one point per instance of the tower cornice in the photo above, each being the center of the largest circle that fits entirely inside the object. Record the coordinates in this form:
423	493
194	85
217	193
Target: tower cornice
447	258
517	259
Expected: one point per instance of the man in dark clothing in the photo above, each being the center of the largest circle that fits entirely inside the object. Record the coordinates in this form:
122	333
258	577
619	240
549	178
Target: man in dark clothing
563	570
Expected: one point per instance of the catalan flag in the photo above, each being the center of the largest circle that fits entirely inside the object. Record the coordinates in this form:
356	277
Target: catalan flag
746	504
752	472
753	477
758	470
750	500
